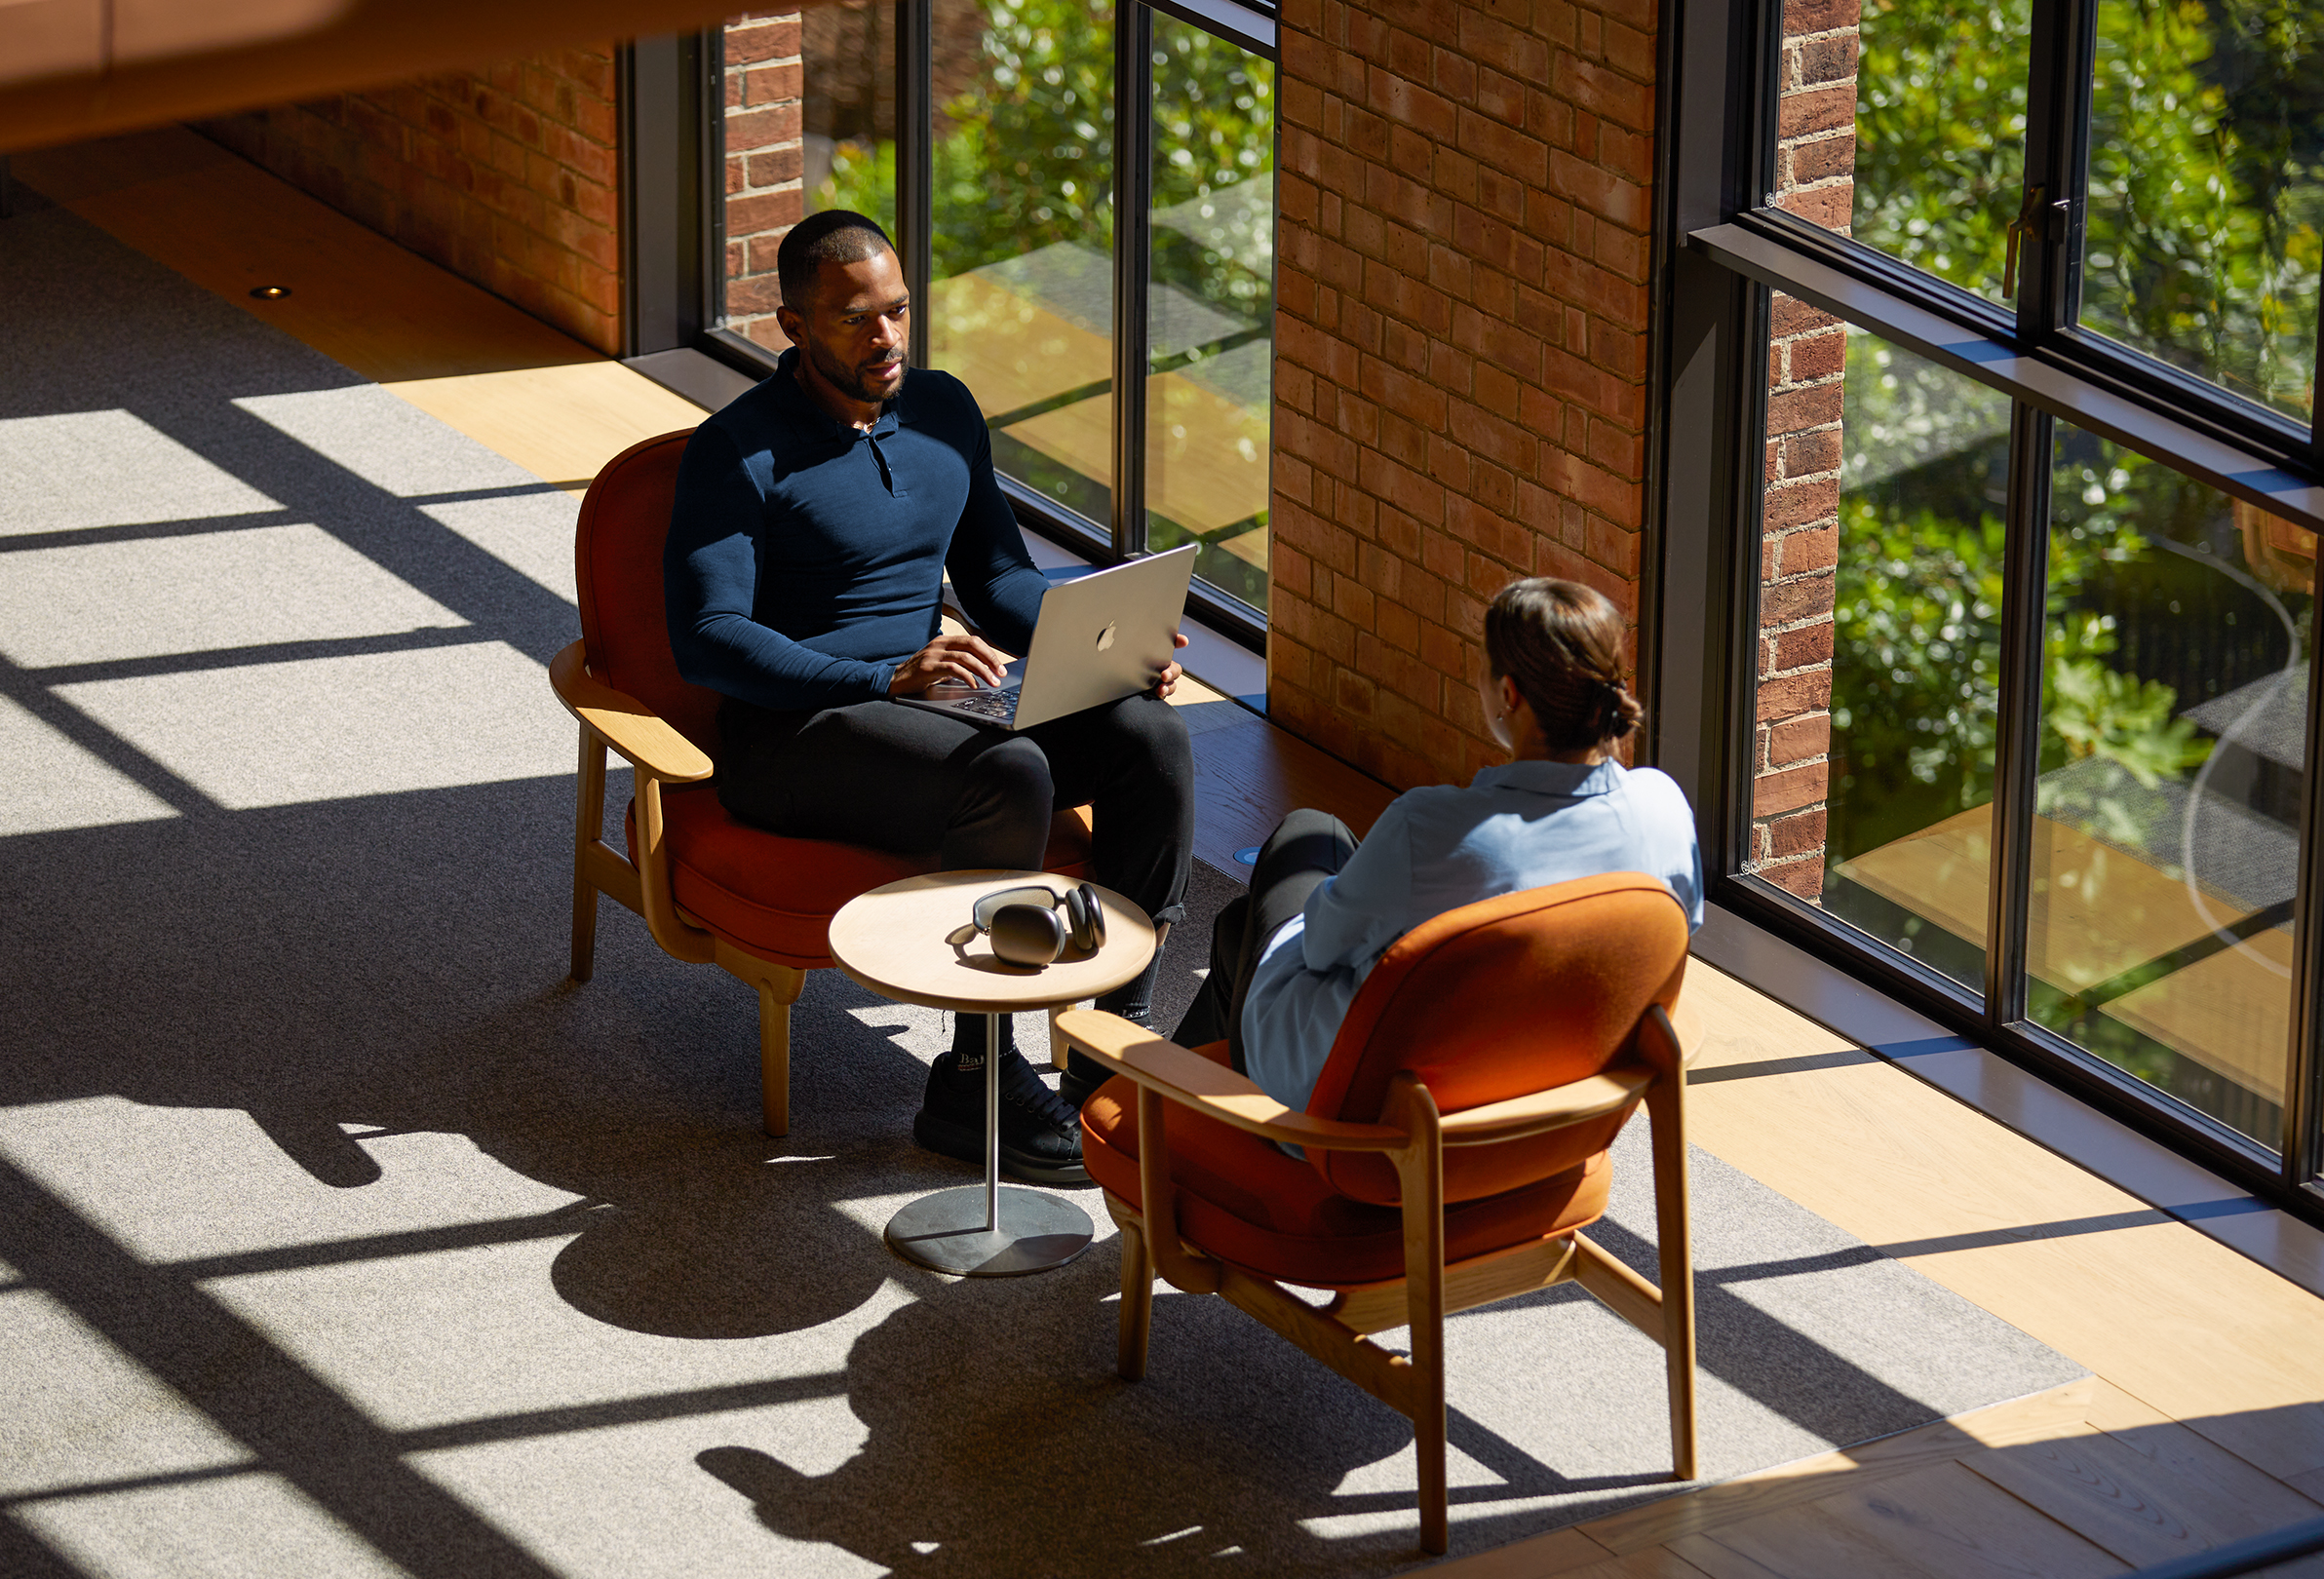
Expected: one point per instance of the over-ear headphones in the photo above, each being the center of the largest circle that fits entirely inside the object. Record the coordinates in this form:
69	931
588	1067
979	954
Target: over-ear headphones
1031	926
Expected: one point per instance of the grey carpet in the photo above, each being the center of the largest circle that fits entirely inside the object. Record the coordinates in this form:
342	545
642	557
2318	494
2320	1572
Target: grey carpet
338	1237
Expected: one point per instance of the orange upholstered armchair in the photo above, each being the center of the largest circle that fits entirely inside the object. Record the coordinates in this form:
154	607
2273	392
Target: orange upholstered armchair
712	891
1455	1148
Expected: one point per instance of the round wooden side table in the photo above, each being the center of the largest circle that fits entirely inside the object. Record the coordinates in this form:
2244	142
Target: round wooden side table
912	942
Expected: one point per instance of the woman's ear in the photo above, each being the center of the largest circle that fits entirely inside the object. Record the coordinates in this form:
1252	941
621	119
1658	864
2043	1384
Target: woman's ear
1513	702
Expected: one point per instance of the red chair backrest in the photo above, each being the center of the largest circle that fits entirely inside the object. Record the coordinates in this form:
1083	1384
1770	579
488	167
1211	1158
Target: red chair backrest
1499	999
617	563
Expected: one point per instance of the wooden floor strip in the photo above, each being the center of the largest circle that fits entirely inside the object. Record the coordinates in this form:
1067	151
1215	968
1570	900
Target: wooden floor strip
1949	1522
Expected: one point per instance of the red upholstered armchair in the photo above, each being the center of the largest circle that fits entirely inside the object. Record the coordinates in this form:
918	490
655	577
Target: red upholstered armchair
1455	1148
712	891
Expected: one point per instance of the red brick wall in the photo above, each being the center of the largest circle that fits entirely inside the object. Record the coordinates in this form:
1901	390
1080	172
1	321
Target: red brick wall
505	175
1461	348
763	164
1806	356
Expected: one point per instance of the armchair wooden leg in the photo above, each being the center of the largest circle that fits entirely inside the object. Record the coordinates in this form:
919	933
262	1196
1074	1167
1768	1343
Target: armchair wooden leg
1665	1111
1138	1302
778	989
589	818
1421	1172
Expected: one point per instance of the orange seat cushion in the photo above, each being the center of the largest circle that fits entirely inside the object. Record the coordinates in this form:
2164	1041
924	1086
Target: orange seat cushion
774	897
1245	1202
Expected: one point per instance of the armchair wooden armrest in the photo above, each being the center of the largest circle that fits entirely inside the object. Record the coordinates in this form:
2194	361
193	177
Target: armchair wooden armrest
646	741
1161	1066
1595	1096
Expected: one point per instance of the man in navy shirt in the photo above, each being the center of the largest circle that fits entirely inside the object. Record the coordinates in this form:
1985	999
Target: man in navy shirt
816	517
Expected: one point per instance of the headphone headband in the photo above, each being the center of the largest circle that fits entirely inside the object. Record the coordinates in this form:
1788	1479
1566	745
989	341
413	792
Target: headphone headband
1028	894
1032	925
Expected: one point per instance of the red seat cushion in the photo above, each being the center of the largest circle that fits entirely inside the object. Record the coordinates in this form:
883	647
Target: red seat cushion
1245	1202
774	897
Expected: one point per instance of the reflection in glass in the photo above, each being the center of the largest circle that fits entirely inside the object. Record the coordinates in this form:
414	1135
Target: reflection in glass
1915	656
798	135
1021	299
847	113
1211	305
2173	736
1908	129
2207	189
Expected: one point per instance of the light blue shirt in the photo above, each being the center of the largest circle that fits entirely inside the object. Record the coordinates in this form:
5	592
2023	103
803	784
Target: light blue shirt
1522	825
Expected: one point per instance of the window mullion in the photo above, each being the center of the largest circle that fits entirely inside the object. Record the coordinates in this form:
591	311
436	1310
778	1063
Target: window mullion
2057	131
2017	722
1132	154
2304	1069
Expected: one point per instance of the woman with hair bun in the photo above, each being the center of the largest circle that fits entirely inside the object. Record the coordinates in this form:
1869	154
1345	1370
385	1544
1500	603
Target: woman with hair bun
1286	958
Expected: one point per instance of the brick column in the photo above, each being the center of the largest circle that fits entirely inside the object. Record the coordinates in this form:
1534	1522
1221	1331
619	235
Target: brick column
764	160
506	175
1460	341
1807	375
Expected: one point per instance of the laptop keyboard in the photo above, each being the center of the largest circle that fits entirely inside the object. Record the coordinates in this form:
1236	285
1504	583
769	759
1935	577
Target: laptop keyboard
998	705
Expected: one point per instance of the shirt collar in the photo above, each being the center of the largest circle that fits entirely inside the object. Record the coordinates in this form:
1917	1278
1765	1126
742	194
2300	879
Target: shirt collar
797	405
1569	779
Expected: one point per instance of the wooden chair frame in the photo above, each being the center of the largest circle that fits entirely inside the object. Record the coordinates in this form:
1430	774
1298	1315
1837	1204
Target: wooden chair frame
660	755
1412	1136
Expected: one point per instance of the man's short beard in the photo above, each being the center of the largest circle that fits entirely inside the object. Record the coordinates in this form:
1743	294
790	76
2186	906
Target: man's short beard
848	381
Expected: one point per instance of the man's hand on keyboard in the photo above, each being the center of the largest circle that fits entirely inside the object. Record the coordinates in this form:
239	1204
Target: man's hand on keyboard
960	658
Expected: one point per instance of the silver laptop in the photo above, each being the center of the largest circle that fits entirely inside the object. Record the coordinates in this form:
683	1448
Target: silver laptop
1099	638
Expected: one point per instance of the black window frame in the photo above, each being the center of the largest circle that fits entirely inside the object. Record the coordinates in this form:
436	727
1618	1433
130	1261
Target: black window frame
1722	249
673	234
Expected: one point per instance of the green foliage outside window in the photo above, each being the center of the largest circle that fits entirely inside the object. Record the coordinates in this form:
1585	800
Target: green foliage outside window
2202	247
1025	159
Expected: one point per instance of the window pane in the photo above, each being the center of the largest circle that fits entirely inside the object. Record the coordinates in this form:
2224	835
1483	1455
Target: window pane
847	114
2173	733
2206	190
1211	306
1880	640
1906	124
1021	303
809	122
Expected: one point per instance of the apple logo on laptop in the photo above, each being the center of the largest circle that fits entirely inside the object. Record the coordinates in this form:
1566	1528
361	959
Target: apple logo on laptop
1105	639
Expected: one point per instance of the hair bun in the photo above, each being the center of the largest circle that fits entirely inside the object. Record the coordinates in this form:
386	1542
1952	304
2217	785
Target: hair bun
1622	710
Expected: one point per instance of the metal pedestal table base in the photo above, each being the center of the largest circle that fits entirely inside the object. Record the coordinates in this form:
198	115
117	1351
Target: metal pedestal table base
982	1230
947	1232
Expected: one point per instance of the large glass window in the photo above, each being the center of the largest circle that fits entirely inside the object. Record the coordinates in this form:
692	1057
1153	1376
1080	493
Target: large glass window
1902	504
847	109
1905	125
1021	277
2166	838
2026	701
1003	187
1211	305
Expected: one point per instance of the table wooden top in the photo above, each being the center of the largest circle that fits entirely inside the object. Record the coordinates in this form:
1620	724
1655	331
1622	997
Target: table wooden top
912	942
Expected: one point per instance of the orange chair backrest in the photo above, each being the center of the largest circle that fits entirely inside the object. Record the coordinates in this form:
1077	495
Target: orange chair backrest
617	563
1499	999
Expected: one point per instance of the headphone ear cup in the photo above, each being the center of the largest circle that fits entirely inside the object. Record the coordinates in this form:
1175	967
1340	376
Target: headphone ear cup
1088	916
1027	934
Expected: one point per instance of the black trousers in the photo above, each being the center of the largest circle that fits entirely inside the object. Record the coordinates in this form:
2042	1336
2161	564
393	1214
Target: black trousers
1307	847
903	778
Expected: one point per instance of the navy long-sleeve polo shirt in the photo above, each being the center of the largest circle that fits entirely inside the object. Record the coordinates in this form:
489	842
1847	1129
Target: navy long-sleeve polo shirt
805	559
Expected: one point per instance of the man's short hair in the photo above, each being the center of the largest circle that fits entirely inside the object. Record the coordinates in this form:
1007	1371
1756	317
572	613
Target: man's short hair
832	236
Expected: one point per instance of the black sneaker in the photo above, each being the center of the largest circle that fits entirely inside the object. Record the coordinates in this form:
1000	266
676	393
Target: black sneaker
1040	1136
1082	1077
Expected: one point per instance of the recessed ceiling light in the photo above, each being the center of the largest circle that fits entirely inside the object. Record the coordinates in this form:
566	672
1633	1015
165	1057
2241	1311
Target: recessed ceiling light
270	292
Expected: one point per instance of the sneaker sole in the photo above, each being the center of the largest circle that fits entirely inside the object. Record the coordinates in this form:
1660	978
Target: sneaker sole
964	1145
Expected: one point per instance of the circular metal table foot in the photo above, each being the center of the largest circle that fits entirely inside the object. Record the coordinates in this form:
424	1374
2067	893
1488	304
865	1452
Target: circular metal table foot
946	1232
